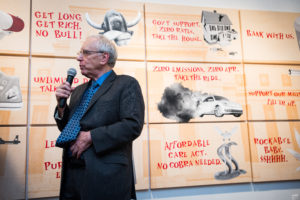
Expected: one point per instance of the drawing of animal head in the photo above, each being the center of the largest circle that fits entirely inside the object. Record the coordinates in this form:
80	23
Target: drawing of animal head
9	23
226	134
115	27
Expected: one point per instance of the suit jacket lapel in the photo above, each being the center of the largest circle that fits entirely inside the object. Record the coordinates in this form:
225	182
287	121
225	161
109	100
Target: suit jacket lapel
102	89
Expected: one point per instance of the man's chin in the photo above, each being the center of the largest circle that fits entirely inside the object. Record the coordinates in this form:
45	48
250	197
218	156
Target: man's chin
83	72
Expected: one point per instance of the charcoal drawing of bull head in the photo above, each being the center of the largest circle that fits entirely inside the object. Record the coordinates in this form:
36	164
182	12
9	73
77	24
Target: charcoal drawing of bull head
114	26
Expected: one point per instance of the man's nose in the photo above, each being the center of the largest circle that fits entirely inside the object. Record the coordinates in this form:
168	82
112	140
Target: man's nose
79	57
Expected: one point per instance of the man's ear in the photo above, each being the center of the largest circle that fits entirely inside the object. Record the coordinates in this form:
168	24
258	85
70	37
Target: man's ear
104	58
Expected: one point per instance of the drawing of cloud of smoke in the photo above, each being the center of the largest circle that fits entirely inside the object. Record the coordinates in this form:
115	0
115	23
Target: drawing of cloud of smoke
179	103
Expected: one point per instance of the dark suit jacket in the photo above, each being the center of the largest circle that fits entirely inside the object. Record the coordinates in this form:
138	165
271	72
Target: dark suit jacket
115	117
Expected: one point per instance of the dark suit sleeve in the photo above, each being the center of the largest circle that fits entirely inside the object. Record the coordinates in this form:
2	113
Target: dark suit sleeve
131	121
61	123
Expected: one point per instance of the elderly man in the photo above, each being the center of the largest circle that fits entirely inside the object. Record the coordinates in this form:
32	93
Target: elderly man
103	117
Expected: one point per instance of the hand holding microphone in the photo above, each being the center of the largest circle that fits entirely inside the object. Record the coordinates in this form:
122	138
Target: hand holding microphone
63	92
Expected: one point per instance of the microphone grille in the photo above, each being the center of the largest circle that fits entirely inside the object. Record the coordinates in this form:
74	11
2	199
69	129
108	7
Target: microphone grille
72	72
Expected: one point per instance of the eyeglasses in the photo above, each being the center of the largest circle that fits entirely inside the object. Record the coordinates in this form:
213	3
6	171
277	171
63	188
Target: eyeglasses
85	52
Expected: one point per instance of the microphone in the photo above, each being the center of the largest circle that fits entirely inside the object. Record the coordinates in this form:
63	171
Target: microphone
71	74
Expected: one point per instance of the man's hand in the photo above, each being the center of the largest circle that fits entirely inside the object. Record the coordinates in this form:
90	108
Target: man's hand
83	141
63	91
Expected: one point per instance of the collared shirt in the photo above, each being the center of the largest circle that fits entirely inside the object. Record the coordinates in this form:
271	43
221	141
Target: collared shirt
102	78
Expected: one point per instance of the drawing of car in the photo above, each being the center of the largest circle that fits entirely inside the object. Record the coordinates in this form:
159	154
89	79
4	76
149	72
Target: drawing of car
219	106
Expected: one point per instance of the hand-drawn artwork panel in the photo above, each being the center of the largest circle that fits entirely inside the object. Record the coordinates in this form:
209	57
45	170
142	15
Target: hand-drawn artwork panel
199	154
45	162
13	90
141	160
270	36
44	167
46	75
49	73
14	26
12	162
275	150
60	27
181	33
182	92
273	92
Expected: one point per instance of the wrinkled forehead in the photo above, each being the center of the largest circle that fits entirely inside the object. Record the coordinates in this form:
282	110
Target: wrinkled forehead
90	44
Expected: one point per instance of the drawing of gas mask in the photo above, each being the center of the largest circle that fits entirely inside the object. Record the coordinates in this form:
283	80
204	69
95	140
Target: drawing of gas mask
9	23
115	27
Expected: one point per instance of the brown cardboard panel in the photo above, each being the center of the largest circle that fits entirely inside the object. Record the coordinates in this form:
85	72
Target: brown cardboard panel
141	160
273	92
182	92
270	36
181	33
12	162
49	73
59	27
44	167
46	75
199	154
275	150
45	162
14	27
13	90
